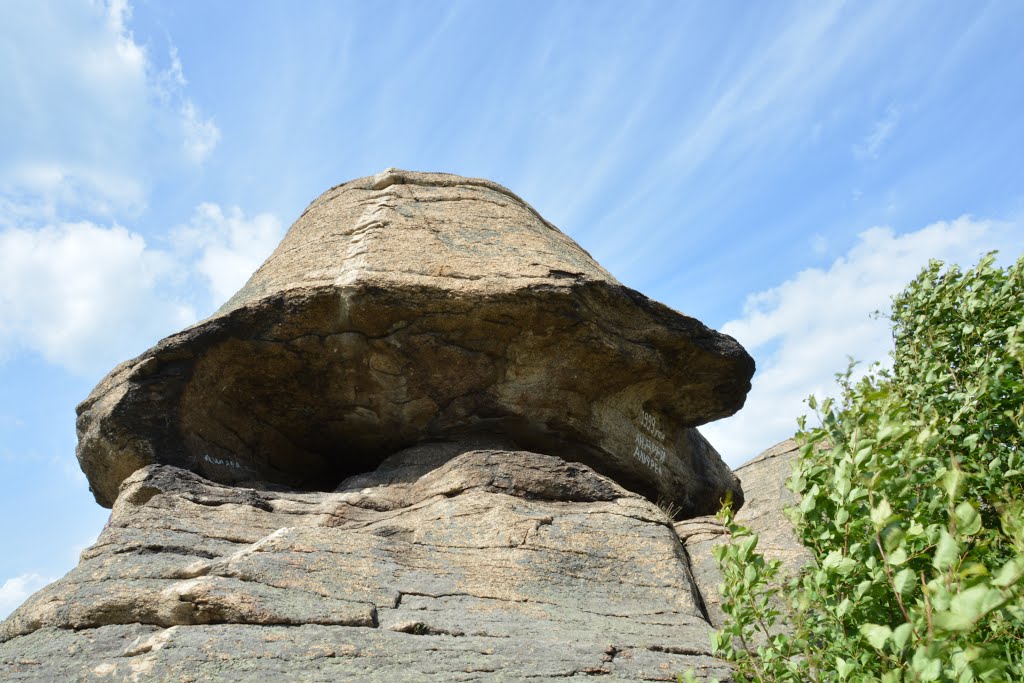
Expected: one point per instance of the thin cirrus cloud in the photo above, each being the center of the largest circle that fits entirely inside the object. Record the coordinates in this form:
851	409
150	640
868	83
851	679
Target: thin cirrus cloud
768	100
870	147
199	135
804	330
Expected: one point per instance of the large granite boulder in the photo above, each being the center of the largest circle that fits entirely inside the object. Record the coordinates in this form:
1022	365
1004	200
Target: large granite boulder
421	443
442	564
409	307
764	485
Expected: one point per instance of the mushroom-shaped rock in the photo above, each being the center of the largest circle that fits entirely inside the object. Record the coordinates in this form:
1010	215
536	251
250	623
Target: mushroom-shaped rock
408	307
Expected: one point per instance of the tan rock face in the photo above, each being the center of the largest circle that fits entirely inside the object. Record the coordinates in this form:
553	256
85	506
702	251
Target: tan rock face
410	307
443	564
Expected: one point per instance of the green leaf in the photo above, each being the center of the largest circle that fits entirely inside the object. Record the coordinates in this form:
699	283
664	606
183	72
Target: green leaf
898	557
888	431
857	493
947	552
904	581
844	668
892	536
840	564
747	547
880	514
975	602
1010	573
952	482
952	621
928	667
968	521
876	634
901	634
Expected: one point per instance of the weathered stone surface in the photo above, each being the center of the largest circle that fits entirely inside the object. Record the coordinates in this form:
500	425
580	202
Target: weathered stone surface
411	306
764	485
443	564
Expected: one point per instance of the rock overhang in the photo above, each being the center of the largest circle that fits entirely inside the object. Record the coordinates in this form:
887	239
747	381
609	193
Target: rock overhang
407	307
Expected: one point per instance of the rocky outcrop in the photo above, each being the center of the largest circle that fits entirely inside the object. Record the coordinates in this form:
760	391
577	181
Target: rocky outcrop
442	564
766	495
422	443
410	306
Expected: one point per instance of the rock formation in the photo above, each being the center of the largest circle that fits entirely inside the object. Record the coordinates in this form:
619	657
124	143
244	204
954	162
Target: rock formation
422	443
412	306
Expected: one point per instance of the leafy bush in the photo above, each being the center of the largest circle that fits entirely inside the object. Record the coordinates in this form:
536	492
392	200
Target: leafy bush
912	503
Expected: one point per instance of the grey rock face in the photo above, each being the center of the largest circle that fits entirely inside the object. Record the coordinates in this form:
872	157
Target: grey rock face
407	307
442	564
764	484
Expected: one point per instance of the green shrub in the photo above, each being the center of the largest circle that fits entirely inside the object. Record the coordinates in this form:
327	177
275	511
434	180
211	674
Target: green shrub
912	504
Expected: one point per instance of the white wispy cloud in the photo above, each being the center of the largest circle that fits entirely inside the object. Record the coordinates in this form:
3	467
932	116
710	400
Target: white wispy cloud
83	295
16	590
225	247
39	190
89	116
803	331
870	147
200	134
11	421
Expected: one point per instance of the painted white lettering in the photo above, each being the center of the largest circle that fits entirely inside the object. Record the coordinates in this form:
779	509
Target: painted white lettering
223	462
648	447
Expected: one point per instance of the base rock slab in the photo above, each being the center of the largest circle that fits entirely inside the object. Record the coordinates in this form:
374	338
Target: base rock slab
442	564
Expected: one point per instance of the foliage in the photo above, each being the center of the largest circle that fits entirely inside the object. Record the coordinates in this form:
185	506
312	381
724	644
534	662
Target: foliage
912	502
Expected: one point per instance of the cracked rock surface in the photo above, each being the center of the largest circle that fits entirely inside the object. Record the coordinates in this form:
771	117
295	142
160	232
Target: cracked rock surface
450	561
406	307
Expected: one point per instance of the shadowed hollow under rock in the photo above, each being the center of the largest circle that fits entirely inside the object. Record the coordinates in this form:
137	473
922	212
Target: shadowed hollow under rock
409	307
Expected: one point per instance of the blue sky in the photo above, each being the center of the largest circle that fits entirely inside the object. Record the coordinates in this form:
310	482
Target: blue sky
777	170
